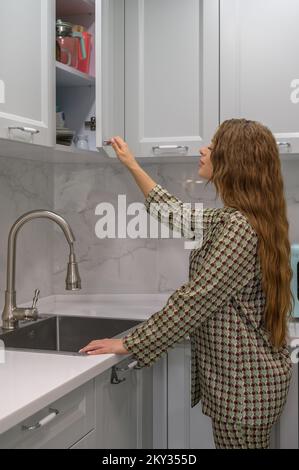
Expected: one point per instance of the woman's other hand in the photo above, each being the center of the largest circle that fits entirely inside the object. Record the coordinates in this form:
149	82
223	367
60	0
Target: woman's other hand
122	151
105	346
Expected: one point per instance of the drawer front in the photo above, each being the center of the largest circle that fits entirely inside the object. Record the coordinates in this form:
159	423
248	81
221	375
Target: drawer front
58	426
88	442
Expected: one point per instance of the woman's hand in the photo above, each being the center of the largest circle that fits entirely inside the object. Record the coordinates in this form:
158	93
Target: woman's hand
105	346
122	151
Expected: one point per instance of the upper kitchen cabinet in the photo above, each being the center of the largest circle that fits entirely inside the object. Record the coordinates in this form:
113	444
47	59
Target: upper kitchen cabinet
112	73
77	29
258	65
171	75
89	72
26	74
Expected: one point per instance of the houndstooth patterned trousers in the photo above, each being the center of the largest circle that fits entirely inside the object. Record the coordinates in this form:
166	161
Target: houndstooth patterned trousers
239	436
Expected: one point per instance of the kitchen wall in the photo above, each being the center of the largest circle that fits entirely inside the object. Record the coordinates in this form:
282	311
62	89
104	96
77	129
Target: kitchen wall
143	265
26	185
106	266
126	265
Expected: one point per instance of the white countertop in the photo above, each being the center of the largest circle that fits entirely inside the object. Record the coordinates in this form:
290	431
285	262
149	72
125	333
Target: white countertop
31	381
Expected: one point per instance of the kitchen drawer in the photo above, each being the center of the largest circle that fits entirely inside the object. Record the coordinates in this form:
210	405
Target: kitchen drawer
87	442
62	424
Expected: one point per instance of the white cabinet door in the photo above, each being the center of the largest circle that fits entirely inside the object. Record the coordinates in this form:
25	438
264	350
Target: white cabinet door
58	426
259	45
188	428
87	442
171	75
119	409
110	72
27	35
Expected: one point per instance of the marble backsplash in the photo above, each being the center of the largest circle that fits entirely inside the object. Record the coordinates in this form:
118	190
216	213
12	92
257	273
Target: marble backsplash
24	186
106	266
141	265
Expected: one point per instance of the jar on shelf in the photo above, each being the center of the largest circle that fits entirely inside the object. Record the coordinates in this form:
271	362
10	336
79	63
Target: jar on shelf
69	44
82	142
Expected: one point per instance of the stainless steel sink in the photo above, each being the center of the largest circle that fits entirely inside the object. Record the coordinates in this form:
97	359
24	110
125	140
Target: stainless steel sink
63	334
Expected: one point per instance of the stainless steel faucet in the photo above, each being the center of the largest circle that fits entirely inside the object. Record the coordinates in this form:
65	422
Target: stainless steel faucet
11	313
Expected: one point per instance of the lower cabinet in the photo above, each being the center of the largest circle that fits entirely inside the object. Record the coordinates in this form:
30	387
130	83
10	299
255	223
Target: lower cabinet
58	426
130	408
112	411
188	428
124	407
87	442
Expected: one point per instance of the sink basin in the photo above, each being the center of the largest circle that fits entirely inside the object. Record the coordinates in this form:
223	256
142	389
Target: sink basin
64	334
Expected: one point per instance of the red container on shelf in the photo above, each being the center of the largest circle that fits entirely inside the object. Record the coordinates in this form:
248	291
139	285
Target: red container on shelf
69	50
84	64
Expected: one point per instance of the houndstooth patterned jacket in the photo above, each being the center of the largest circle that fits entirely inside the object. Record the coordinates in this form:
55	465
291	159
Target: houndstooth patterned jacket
235	371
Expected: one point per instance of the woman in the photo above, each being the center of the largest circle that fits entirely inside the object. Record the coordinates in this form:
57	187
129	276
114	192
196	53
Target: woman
235	306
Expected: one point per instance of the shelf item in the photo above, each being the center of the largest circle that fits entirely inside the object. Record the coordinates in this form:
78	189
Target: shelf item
74	7
67	76
64	136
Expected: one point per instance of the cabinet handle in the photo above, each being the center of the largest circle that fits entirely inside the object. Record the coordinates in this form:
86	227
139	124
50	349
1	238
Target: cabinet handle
114	377
167	148
285	144
42	422
132	365
29	130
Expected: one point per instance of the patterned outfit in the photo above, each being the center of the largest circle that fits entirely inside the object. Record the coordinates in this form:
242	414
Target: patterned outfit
238	436
241	380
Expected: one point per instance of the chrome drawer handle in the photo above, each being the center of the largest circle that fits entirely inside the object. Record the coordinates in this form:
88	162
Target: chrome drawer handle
168	148
284	144
29	130
42	422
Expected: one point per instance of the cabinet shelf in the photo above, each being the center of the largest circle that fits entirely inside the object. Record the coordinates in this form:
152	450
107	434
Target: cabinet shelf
67	76
74	7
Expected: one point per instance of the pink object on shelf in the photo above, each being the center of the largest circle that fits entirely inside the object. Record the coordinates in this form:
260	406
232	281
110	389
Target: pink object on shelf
83	64
69	50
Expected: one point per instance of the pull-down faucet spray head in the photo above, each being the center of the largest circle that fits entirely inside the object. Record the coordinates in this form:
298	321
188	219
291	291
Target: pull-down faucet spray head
73	280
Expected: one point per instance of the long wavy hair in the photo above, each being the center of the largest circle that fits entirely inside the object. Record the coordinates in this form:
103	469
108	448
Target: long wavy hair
247	176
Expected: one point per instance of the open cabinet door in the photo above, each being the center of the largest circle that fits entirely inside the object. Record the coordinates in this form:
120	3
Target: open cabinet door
27	53
110	71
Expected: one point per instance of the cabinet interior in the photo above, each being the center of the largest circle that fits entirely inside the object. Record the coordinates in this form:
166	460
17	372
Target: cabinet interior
75	90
